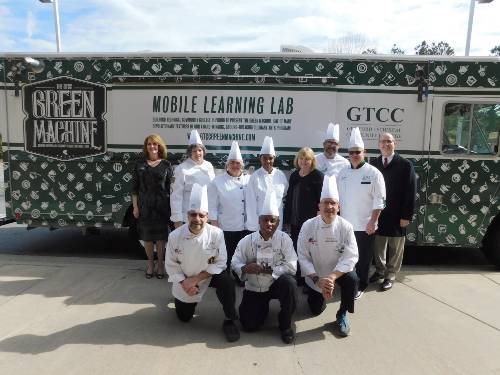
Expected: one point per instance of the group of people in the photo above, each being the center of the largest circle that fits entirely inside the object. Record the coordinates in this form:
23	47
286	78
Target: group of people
321	228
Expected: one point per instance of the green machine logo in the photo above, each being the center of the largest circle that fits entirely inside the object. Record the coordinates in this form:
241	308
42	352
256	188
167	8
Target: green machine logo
64	118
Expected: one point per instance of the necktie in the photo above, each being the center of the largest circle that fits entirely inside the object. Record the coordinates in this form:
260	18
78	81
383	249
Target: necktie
385	163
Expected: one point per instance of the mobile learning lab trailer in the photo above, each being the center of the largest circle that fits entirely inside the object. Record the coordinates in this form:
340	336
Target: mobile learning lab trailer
72	126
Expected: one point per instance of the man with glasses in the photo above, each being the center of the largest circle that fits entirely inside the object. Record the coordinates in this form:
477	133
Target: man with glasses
327	256
362	198
400	182
267	262
330	162
195	260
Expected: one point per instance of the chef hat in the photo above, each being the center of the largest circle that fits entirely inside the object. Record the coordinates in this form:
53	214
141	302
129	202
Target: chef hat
329	190
270	206
199	198
356	141
194	138
267	147
235	153
332	132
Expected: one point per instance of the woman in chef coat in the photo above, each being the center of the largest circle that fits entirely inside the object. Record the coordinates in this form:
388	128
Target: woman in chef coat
263	179
195	169
227	201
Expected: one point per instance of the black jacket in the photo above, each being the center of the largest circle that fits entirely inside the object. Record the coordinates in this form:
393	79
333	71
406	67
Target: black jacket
310	193
400	185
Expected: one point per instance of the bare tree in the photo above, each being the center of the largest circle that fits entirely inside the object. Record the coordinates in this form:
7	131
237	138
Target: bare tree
350	44
442	48
495	51
395	50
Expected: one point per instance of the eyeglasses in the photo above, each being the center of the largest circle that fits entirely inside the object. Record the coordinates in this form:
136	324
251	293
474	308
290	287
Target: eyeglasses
355	152
197	214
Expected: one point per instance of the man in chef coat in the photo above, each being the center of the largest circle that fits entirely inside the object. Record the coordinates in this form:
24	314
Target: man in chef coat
329	161
262	180
327	255
195	260
267	262
362	197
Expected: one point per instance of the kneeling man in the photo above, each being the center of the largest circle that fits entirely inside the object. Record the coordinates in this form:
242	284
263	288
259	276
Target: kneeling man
267	262
327	256
195	259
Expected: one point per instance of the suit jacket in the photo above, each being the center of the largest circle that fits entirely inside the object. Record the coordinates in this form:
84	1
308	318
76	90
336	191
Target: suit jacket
400	184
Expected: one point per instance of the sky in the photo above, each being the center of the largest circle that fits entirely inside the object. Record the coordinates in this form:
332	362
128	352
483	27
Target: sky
246	26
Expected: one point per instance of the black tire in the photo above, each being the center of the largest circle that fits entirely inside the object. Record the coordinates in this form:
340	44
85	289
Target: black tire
491	242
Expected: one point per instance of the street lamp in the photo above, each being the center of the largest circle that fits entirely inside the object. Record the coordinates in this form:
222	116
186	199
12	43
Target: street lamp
471	17
56	19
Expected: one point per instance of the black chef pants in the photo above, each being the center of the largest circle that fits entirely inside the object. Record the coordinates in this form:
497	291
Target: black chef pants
365	249
348	283
294	234
224	285
254	306
231	238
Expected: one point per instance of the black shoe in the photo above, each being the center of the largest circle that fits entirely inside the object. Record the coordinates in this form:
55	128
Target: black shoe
288	336
386	285
375	277
231	331
360	293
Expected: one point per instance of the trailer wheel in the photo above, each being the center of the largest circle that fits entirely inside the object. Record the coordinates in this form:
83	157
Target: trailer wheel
491	242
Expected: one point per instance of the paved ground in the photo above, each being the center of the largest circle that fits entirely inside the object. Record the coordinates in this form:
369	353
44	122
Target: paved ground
84	315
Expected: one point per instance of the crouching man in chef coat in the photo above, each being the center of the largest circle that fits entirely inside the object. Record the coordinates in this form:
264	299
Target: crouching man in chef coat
267	262
327	255
195	259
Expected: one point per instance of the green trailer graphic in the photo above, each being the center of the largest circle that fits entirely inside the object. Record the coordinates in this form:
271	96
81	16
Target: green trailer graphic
72	127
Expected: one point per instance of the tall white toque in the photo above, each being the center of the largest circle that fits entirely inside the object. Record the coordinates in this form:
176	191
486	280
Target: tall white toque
267	147
270	206
194	138
329	190
199	198
332	132
235	153
356	141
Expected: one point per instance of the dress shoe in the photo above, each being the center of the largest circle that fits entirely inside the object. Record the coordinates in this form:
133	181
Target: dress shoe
359	293
386	285
375	277
287	335
231	331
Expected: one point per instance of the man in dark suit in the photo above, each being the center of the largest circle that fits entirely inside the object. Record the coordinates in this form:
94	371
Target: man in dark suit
400	182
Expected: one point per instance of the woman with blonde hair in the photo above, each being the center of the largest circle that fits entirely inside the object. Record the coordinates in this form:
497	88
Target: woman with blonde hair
151	201
303	196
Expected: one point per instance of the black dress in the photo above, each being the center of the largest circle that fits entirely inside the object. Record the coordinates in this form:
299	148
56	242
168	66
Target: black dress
152	187
302	200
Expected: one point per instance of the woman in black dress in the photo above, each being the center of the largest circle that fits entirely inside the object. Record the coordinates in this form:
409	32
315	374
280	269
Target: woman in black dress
302	199
151	201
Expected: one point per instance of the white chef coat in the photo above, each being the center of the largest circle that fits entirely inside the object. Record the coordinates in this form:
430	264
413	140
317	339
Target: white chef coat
260	182
361	191
226	201
326	248
278	253
185	175
188	254
331	167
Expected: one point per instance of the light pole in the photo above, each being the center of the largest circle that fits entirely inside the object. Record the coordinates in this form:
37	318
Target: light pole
471	17
56	19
